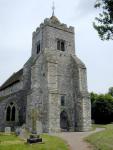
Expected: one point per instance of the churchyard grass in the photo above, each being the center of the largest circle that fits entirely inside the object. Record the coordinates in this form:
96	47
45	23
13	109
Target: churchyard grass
102	140
12	142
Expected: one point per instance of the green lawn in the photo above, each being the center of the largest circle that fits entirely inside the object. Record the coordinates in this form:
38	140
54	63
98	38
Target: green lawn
12	142
102	140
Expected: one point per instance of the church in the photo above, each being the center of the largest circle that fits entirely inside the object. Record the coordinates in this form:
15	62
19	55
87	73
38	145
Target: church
49	94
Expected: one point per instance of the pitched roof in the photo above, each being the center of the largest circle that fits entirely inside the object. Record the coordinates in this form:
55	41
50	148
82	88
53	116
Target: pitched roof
12	80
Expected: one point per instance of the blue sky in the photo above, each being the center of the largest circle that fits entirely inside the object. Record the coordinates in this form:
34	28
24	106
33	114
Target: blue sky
18	19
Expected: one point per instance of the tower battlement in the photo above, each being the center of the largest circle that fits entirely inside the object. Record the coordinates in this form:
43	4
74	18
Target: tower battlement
54	22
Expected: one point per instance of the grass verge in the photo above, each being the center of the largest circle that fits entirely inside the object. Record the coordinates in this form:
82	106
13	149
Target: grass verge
12	142
102	140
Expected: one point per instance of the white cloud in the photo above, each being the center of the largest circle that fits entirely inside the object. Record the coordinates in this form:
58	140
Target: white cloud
84	8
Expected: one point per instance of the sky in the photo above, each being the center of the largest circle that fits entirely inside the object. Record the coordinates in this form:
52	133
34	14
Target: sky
18	19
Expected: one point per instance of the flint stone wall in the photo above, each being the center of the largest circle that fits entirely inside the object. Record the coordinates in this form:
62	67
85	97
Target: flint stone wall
19	99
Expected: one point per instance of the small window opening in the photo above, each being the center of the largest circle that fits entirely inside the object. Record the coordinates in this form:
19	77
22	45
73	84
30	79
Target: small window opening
61	45
38	47
62	100
11	103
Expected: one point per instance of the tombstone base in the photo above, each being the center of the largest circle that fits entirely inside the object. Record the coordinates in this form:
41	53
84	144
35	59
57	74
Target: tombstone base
34	139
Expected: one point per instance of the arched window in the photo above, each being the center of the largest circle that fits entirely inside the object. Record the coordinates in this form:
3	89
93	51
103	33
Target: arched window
11	112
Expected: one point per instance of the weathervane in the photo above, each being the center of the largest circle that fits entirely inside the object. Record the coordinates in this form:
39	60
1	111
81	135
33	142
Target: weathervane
53	8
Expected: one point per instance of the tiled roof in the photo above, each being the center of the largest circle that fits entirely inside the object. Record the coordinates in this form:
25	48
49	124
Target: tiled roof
12	80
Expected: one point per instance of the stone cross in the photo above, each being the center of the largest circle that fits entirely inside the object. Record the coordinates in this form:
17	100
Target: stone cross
34	118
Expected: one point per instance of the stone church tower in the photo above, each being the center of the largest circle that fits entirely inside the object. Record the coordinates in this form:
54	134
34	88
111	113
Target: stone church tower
49	94
58	96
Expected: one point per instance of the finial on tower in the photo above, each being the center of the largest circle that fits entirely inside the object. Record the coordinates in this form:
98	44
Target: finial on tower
53	8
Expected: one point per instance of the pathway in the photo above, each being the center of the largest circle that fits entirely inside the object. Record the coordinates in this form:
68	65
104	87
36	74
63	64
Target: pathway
76	139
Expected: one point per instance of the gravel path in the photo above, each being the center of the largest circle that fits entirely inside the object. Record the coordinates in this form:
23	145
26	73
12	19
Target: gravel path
76	139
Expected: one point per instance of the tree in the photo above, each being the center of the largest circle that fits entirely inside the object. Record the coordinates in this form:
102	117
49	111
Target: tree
93	97
110	91
104	23
102	108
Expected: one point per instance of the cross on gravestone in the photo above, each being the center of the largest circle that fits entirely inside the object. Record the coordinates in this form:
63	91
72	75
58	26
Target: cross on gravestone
39	127
34	116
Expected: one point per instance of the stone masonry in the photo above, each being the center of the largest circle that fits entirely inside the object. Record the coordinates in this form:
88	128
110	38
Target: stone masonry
50	93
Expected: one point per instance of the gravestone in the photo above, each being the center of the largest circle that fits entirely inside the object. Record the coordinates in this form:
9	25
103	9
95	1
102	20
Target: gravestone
17	131
7	130
23	134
